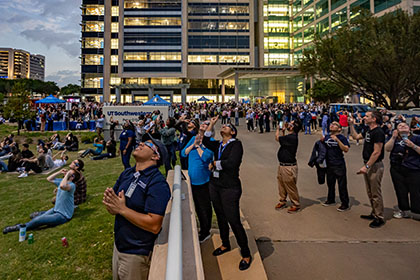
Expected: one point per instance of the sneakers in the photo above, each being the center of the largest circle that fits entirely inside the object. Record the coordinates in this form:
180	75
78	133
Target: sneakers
328	203
367	217
11	229
23	175
401	214
20	169
203	238
280	205
377	223
293	209
343	208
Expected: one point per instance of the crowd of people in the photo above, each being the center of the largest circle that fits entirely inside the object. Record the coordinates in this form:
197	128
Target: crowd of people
140	195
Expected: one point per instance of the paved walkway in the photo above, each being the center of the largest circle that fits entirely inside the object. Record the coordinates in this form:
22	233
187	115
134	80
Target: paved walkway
319	242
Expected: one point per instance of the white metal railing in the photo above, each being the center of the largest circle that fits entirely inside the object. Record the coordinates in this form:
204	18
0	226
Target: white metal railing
174	257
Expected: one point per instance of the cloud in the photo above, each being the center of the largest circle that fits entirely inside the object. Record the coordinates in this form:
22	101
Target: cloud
65	77
68	41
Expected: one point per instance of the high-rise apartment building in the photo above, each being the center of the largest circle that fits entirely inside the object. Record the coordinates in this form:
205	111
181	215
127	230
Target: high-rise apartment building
20	64
221	49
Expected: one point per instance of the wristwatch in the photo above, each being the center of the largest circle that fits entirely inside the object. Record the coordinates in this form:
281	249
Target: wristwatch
367	166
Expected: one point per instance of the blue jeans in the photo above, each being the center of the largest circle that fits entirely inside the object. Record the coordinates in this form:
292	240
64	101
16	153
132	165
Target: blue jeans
325	129
3	166
48	218
307	128
102	156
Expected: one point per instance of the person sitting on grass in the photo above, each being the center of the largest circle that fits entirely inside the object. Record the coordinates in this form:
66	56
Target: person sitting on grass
63	209
60	161
111	150
99	144
37	164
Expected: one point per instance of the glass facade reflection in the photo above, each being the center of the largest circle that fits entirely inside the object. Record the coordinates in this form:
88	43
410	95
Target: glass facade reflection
284	88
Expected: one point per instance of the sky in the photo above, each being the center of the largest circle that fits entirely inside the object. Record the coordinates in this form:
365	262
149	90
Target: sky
47	27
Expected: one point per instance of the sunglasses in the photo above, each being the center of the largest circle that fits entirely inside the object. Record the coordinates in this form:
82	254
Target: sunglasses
153	147
76	163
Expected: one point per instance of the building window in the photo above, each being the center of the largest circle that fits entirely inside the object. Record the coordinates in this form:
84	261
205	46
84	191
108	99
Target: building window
308	34
114	60
321	8
92	81
114	27
337	3
298	40
276	43
276	59
338	19
222	9
165	56
308	16
93	59
134	81
297	7
276	26
357	7
202	59
114	44
93	26
94	10
115	81
93	43
381	5
115	11
277	10
323	26
141	21
297	23
165	81
135	56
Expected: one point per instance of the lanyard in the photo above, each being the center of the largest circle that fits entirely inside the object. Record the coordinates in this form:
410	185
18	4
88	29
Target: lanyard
222	147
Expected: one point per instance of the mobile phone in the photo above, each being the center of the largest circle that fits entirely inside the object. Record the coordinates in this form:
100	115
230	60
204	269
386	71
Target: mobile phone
281	124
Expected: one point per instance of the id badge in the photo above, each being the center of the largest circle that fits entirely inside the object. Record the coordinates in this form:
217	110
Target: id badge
216	174
131	190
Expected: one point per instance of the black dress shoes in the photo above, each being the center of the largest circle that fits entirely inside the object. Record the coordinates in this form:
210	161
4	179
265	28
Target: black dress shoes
243	265
367	217
219	251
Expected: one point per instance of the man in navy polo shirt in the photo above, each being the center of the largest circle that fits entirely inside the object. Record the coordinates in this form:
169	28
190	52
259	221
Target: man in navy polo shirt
138	201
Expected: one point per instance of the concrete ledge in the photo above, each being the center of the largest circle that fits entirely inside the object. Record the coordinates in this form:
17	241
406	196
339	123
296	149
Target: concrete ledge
226	266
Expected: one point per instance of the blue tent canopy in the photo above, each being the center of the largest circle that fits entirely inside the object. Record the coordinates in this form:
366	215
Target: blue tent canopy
49	100
202	98
157	101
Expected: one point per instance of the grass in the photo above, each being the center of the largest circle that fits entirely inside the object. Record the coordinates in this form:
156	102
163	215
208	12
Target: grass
89	233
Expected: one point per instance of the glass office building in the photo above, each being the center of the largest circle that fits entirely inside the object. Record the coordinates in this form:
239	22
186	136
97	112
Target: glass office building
20	64
222	49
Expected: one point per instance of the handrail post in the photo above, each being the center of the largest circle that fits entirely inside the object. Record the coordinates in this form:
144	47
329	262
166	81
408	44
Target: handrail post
174	258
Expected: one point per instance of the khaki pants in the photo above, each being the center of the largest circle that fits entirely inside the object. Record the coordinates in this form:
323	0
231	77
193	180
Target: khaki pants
287	179
373	187
129	267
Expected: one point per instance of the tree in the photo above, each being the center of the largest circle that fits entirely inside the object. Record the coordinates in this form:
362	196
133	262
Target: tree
327	92
379	58
70	89
17	106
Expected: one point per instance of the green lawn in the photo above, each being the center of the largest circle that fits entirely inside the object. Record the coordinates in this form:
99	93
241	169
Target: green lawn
89	233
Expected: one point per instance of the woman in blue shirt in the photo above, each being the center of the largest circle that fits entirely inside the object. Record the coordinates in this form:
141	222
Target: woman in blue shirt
127	142
98	144
199	158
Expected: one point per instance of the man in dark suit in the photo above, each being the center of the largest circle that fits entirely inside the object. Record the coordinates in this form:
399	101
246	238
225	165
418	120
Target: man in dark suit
225	188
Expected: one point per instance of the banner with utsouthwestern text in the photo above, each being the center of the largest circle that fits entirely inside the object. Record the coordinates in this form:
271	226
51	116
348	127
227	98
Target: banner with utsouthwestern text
131	113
